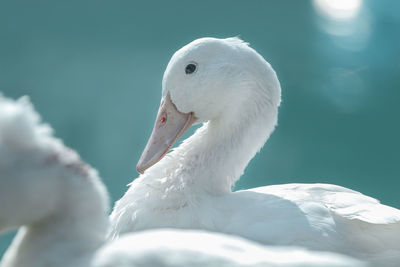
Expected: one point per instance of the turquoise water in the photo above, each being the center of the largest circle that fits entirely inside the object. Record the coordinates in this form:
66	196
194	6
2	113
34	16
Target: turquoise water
93	69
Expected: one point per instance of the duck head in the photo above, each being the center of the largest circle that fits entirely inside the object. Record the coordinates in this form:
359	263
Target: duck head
27	190
40	178
208	80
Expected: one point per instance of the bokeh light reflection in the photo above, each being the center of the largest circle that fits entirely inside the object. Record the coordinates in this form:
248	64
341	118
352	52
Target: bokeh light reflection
347	21
338	9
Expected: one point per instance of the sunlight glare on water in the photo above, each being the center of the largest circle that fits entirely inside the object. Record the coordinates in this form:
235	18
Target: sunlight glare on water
347	21
338	9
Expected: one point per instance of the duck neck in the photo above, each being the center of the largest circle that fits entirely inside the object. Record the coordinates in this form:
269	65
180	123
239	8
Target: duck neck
215	157
76	229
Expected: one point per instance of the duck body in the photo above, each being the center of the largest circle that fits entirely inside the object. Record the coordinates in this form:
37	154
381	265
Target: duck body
315	216
235	93
175	248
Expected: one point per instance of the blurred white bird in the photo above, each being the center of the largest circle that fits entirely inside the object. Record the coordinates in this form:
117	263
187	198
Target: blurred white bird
235	93
60	206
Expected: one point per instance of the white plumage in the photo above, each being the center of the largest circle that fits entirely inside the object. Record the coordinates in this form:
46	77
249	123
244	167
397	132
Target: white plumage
60	206
57	200
236	94
161	248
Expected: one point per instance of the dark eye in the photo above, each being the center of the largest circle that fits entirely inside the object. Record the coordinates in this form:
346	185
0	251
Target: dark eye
190	68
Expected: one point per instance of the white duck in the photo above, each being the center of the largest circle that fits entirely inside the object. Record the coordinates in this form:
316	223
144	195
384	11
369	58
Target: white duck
61	206
229	87
58	201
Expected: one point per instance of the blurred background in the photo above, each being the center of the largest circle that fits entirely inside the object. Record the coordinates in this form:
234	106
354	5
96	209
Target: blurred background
93	69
